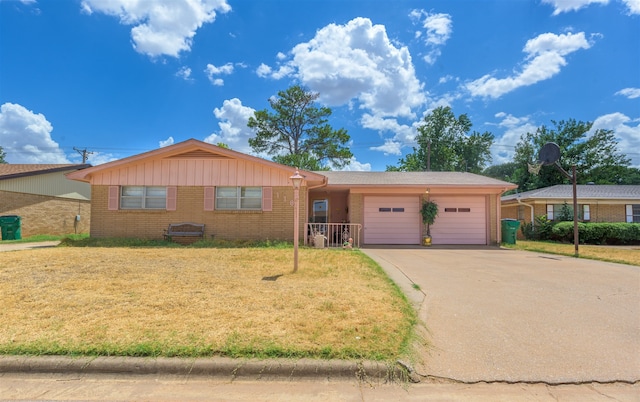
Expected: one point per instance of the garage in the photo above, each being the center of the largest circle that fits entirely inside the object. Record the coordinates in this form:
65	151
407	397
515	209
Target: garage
392	220
461	220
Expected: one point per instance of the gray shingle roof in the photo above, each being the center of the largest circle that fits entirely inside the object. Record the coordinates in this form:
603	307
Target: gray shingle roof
590	191
12	170
349	178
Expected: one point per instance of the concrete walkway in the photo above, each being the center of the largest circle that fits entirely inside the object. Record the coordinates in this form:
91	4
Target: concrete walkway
26	246
513	316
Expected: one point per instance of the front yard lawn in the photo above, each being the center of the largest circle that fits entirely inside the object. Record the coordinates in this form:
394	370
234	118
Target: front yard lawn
200	302
620	254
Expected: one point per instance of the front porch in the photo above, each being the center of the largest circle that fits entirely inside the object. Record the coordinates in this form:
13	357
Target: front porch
330	223
345	235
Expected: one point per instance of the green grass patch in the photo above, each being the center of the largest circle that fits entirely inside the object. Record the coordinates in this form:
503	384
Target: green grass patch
39	238
619	254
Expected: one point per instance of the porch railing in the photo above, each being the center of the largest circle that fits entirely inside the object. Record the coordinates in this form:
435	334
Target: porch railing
332	234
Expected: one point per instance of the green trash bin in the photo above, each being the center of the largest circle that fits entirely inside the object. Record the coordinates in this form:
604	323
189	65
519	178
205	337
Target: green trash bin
510	230
10	227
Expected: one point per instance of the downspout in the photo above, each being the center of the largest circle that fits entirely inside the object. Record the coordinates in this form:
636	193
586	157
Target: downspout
530	206
306	212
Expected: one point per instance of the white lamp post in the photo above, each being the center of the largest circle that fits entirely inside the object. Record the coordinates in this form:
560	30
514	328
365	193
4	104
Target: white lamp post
296	179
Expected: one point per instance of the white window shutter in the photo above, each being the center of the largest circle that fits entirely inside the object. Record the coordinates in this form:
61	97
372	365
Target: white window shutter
550	212
267	199
586	213
209	198
113	197
629	213
172	195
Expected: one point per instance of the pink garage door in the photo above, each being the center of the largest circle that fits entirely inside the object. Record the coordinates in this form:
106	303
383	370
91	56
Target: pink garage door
461	220
391	220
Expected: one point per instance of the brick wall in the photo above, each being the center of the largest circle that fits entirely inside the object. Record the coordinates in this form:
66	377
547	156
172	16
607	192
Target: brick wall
356	212
608	213
230	225
493	200
41	214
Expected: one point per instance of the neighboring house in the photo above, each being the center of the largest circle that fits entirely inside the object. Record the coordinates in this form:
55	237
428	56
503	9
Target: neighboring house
596	203
45	200
238	196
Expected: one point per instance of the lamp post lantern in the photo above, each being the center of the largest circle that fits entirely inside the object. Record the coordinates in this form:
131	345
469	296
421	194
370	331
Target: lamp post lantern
296	179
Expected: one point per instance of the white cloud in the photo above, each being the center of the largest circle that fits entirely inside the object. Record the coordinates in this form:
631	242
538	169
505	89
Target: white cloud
184	73
355	166
98	158
25	136
438	31
355	61
545	57
626	130
234	132
514	127
630	93
403	133
633	6
167	142
160	27
212	71
263	70
563	6
390	147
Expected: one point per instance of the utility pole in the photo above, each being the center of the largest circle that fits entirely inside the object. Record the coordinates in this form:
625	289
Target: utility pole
84	153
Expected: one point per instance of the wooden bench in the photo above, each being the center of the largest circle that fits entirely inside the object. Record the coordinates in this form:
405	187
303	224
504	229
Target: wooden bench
185	229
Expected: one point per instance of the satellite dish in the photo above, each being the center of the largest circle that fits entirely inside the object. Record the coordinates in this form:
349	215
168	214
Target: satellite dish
549	154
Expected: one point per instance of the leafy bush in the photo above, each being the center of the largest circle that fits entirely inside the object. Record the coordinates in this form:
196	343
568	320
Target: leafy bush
540	231
598	233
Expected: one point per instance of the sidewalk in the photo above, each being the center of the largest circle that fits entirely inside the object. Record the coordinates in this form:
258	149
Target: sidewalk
26	246
66	387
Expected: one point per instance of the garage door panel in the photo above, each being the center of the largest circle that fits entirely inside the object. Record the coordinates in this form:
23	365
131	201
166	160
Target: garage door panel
397	223
461	220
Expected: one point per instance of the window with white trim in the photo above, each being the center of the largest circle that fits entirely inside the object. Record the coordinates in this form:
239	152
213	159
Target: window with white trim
239	198
143	197
557	211
633	213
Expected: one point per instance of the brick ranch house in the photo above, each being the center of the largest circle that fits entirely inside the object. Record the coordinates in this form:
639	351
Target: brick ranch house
45	200
238	196
596	203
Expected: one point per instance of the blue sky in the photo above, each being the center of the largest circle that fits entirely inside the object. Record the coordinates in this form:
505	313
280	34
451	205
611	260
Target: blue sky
121	77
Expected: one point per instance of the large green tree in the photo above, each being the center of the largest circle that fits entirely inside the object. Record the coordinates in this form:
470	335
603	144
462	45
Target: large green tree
504	171
595	155
297	132
445	145
2	155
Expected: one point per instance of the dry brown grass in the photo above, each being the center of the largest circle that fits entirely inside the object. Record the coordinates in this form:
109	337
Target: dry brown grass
194	302
622	254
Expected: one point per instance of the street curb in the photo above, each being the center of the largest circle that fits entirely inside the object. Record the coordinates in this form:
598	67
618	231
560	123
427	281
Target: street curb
247	369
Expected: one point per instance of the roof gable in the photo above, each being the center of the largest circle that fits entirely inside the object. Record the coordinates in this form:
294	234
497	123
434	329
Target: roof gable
191	163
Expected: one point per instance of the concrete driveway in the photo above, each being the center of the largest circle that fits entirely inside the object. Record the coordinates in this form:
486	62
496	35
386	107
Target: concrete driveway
504	315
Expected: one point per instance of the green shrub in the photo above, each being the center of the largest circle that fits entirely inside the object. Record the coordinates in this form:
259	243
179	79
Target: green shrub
597	233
